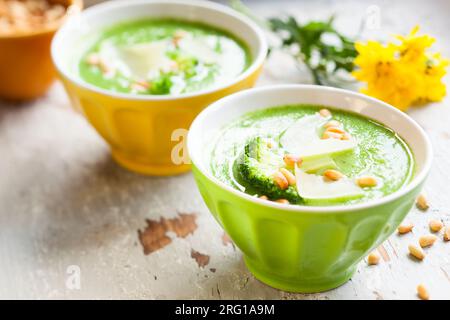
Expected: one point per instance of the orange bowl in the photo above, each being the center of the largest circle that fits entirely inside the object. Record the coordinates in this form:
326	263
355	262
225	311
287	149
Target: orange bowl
26	68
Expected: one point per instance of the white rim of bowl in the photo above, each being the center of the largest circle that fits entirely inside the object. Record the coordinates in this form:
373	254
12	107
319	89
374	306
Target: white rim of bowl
302	208
257	61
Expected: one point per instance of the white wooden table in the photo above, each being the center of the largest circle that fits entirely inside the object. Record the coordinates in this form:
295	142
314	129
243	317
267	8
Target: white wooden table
66	208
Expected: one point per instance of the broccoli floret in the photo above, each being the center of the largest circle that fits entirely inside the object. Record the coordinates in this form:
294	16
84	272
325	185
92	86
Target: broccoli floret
256	166
162	85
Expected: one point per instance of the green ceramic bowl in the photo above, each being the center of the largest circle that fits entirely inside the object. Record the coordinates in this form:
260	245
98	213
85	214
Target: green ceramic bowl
301	248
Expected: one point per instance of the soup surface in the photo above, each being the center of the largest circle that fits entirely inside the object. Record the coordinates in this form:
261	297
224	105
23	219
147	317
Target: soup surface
311	155
162	57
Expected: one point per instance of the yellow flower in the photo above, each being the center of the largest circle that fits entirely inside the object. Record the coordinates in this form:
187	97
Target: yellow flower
401	73
374	60
434	72
412	48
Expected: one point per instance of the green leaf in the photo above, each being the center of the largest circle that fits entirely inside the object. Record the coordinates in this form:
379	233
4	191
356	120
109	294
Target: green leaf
306	43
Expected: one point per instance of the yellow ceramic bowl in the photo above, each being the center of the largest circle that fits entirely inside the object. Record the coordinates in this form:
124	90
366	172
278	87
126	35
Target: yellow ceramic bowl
26	68
147	134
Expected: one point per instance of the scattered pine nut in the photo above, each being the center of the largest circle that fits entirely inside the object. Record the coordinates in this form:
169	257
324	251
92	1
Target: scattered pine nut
143	83
290	160
93	59
335	130
447	233
280	180
178	36
103	66
263	197
176	41
332	123
325	112
289	176
422	202
331	135
269	144
367	181
427	241
422	292
435	225
416	252
139	86
373	258
405	228
333	175
282	201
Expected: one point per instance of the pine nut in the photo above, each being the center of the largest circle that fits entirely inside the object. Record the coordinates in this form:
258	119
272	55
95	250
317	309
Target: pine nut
416	252
263	197
280	180
447	233
139	86
422	292
143	83
364	182
335	130
422	202
332	123
373	258
435	225
93	59
331	135
333	175
427	241
405	228
269	144
289	176
325	112
106	70
178	36
290	160
282	201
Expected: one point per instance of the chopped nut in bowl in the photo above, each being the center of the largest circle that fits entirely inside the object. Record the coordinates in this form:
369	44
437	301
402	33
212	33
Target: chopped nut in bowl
26	30
29	15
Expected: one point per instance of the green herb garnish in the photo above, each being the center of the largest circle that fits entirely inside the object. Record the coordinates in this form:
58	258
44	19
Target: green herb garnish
317	44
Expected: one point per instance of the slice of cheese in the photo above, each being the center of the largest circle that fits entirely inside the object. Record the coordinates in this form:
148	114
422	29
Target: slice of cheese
138	61
302	139
314	165
314	187
144	59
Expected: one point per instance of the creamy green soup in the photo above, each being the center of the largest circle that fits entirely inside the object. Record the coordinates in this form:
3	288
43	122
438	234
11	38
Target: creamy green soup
326	156
162	57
